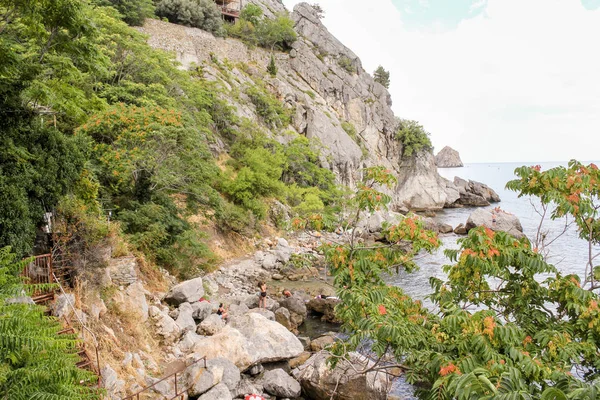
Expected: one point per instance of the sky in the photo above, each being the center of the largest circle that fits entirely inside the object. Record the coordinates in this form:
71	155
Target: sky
497	80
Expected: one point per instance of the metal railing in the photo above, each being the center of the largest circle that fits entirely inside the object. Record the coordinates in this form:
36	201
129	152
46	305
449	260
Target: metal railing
39	271
178	394
83	328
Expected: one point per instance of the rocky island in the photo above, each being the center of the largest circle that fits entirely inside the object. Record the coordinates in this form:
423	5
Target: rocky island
448	158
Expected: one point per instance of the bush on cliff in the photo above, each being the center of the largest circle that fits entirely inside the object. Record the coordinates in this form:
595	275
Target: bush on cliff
133	12
413	137
254	29
203	14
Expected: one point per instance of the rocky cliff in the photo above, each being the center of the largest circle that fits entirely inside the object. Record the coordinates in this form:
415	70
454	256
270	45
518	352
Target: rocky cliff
327	99
448	158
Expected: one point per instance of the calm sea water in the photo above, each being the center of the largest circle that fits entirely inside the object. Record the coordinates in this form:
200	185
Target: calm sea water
568	253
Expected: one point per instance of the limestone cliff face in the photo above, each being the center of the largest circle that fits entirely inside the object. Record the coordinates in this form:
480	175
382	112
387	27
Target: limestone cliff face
323	94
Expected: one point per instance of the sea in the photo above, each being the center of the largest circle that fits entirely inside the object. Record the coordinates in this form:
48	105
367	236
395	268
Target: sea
568	253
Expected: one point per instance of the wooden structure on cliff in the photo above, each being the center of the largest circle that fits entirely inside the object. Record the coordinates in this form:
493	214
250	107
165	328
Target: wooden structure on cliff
230	9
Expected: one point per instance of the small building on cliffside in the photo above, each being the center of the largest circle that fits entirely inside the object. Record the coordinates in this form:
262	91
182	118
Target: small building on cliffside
230	9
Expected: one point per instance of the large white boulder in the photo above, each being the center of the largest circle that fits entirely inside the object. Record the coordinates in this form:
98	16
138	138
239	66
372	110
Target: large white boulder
249	340
185	292
505	221
278	383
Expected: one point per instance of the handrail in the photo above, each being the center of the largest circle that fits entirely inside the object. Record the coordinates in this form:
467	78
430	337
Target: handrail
136	395
83	326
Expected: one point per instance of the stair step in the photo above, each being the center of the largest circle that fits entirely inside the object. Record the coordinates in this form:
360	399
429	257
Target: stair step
43	298
66	330
84	363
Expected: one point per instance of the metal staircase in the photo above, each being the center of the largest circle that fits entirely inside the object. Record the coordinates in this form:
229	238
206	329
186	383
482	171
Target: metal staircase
41	271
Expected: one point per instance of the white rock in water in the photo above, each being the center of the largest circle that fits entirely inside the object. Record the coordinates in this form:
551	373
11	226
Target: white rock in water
448	158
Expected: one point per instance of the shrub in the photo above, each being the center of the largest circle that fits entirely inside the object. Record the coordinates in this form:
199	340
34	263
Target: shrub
202	14
413	137
347	64
270	109
133	12
272	34
350	130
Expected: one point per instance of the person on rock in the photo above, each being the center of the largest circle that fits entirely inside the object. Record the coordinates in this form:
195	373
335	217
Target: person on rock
262	297
286	293
223	313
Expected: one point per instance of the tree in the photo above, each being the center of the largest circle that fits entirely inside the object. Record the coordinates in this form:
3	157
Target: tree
202	14
382	76
35	361
272	67
413	137
133	12
507	324
276	33
251	13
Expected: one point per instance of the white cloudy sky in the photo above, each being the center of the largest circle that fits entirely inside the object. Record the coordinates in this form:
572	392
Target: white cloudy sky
499	80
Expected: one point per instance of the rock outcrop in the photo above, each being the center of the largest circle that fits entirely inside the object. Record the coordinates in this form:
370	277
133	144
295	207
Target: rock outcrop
319	382
473	194
496	220
323	95
448	158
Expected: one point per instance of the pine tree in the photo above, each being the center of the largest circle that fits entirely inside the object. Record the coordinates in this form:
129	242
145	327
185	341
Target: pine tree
382	76
272	67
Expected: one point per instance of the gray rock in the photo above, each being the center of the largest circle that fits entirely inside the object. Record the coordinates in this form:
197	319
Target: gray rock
448	158
277	277
200	380
278	383
270	261
445	228
319	382
188	341
268	314
238	309
211	325
165	325
256	369
246	387
321	343
201	310
110	381
325	307
189	291
219	392
230	373
249	340
305	340
282	315
61	306
185	320
505	222
460	229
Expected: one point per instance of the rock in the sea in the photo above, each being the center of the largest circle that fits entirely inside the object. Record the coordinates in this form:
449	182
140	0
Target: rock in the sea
445	228
460	229
319	382
186	292
448	158
505	222
475	194
278	383
321	343
251	339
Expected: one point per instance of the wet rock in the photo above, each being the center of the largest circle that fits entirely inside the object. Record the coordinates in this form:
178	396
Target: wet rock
445	228
324	307
460	229
321	343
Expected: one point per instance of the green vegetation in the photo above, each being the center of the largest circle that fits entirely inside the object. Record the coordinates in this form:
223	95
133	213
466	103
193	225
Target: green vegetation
255	30
347	64
413	137
506	323
269	108
203	14
382	76
350	130
133	12
35	362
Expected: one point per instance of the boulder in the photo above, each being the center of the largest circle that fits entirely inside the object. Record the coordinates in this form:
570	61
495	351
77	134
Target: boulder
505	222
201	310
278	383
188	341
166	326
448	158
475	194
282	315
319	382
321	343
460	229
269	262
246	387
61	306
324	307
373	222
185	320
219	392
445	228
189	291
249	340
200	380
211	325
230	373
268	314
301	359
